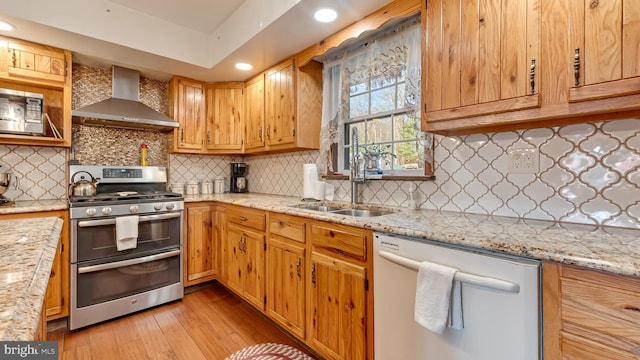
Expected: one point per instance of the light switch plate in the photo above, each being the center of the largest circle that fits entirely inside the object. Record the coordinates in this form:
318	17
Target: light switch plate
523	161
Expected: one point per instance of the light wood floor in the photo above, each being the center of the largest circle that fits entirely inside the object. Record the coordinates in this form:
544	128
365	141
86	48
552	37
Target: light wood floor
210	323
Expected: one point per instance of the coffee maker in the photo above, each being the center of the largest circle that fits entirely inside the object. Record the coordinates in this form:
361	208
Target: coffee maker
238	182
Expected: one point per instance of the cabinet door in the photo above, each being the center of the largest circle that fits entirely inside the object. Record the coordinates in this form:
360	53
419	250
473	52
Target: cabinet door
36	62
235	258
285	285
480	62
56	301
254	114
337	307
280	104
200	250
224	117
254	248
189	111
605	38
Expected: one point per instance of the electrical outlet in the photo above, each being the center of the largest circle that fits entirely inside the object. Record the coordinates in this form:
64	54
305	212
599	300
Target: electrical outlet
523	161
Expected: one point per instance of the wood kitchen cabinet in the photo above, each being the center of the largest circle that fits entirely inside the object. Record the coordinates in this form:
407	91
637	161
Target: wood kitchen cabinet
483	62
254	114
293	106
286	274
339	301
605	33
187	107
56	301
245	252
605	39
31	67
202	243
225	128
589	314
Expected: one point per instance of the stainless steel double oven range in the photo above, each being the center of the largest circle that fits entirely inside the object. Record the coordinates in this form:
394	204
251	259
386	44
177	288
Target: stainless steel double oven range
107	283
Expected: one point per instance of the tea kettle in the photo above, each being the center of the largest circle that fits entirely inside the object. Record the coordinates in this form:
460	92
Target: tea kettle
83	187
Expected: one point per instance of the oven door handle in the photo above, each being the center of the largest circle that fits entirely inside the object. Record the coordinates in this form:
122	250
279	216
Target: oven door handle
119	264
102	222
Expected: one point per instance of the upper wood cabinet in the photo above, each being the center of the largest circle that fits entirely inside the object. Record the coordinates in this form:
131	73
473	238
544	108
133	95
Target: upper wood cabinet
254	114
45	70
187	106
224	130
481	62
293	106
605	39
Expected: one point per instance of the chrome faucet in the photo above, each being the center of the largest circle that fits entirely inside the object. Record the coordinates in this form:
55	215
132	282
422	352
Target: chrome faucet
357	174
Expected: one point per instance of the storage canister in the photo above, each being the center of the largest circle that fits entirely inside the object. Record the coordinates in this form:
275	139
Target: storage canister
177	188
218	184
206	187
192	188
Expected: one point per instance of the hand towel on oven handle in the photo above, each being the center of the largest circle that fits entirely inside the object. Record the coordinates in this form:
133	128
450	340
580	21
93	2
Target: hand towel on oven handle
438	303
127	232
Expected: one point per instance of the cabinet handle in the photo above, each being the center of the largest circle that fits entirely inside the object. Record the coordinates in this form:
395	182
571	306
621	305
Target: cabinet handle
576	67
260	133
242	218
240	244
298	270
269	131
532	76
14	58
244	244
181	135
313	275
208	137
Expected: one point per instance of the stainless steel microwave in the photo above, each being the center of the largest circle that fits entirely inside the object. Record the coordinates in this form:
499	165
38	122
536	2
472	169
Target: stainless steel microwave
21	112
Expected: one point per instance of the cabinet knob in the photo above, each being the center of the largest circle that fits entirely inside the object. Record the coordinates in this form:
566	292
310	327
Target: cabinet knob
576	67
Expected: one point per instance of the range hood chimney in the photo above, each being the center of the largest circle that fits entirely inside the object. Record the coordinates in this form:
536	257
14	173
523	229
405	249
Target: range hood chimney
124	109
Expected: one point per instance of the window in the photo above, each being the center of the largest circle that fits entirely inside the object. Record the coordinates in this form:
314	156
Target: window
374	87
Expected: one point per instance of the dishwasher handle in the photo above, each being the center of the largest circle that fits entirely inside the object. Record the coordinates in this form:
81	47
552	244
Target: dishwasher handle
484	281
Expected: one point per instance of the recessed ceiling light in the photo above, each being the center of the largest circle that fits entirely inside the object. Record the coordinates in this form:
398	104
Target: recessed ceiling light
5	26
325	15
244	66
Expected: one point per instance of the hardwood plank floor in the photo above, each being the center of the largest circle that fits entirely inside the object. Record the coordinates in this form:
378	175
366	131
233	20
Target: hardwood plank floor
210	323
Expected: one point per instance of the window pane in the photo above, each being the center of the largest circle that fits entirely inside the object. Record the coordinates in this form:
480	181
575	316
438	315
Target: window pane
409	155
359	105
377	83
405	127
401	99
358	88
378	130
383	100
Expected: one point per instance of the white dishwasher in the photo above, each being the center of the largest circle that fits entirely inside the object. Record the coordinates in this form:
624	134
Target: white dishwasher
500	301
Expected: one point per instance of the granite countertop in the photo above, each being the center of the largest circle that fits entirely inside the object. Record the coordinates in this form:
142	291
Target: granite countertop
34	206
28	247
611	249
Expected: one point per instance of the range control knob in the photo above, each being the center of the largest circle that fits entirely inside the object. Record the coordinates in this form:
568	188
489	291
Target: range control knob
170	206
157	207
91	211
134	209
106	210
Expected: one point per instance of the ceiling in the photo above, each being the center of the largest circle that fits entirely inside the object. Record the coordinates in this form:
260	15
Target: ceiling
200	39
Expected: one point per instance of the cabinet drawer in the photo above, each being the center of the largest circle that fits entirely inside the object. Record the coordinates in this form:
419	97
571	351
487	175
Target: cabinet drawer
578	348
248	217
340	239
601	307
286	226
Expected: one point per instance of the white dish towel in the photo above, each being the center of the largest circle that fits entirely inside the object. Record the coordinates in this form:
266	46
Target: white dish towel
438	302
127	232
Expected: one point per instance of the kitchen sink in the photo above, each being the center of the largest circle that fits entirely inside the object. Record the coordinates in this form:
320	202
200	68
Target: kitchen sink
343	210
362	212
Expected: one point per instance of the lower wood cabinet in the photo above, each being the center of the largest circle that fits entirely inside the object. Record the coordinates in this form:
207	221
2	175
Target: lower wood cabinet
56	301
590	315
201	243
340	303
286	272
244	254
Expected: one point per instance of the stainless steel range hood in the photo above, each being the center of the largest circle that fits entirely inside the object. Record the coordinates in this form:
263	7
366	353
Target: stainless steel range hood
124	109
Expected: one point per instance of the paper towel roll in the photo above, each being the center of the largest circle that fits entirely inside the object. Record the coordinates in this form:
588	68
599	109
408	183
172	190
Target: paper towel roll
309	178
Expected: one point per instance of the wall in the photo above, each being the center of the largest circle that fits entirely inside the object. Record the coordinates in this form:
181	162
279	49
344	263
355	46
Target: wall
40	172
589	173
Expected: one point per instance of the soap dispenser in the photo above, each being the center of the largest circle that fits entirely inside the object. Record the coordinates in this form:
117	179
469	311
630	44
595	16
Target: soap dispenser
411	204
